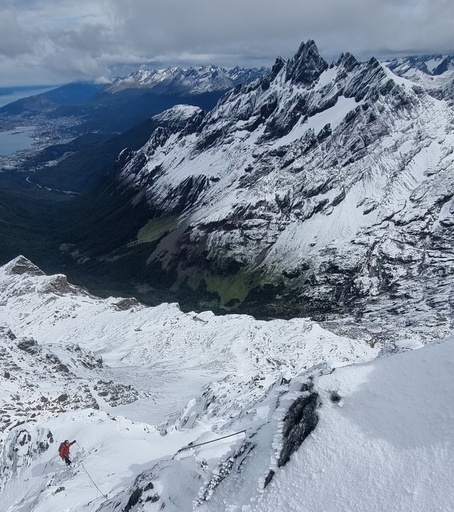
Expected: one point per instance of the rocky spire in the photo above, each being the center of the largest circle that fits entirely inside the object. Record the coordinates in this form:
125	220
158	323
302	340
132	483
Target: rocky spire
307	64
347	61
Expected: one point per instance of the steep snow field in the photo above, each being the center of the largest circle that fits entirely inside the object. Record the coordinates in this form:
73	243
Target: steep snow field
384	438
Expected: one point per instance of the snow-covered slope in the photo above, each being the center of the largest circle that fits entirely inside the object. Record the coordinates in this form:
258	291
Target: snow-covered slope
432	65
434	72
316	190
384	440
134	385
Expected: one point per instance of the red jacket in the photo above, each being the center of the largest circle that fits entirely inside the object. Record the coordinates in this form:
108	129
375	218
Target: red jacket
64	449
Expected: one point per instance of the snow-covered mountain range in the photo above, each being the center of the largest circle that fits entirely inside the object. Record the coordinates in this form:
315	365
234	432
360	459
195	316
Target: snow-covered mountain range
178	80
300	418
432	65
434	72
320	190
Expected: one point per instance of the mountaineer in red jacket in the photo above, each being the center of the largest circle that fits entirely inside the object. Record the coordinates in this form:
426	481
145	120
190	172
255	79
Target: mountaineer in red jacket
63	451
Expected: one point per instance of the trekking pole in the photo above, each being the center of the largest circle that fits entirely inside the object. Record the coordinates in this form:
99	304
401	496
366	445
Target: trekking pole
89	476
190	445
93	482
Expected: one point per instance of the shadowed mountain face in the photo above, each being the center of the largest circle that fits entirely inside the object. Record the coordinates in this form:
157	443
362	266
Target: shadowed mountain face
315	190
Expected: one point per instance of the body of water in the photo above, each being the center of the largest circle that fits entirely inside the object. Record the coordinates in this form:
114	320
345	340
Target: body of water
16	140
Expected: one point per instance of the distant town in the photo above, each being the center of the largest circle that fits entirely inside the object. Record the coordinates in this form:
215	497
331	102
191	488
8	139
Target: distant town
44	132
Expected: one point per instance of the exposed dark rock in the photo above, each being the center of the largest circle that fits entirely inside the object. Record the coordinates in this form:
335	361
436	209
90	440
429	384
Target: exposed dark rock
324	133
133	499
209	139
335	397
123	158
148	487
60	285
28	345
22	265
269	477
299	422
187	193
277	66
348	61
126	304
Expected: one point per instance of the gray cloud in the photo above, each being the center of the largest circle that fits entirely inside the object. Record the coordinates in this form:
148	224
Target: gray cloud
13	40
72	39
268	27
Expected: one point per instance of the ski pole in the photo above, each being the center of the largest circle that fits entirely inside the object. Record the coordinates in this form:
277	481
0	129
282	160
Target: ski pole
190	445
89	476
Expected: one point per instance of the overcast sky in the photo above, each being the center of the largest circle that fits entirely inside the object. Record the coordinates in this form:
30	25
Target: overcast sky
57	41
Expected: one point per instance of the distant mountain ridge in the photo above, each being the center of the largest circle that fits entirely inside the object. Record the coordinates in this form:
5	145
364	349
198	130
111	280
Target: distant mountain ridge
193	80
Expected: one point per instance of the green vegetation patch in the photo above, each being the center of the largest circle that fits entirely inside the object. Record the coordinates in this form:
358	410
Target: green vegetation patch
230	288
155	229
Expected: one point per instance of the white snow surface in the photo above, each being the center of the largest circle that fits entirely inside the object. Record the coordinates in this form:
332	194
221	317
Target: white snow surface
388	445
170	378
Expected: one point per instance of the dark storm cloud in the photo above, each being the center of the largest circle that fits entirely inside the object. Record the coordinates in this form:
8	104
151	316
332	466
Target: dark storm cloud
65	39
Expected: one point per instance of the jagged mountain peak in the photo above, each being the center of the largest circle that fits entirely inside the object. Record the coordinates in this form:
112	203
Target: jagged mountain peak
178	114
307	64
34	277
277	66
348	61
